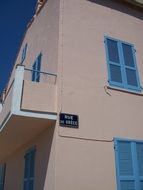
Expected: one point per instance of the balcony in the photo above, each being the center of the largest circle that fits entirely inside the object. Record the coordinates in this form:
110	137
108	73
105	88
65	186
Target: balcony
27	109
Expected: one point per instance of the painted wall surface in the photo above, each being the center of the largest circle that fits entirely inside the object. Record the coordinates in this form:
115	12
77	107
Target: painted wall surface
6	107
103	113
85	156
72	42
83	164
44	144
42	37
38	96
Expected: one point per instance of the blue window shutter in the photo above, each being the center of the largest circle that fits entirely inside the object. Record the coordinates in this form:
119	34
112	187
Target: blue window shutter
32	162
125	169
121	62
129	164
2	176
130	67
34	72
113	62
29	170
125	159
24	53
36	68
139	149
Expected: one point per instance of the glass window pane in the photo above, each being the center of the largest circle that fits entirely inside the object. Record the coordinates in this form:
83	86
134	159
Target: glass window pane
139	147
115	72
127	185
113	51
131	77
128	55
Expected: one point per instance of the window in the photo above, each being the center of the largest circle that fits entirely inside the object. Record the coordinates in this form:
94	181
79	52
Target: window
24	53
121	61
36	69
2	176
29	169
129	164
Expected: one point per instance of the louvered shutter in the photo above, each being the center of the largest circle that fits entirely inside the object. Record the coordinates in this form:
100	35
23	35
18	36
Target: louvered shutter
29	170
34	72
125	171
38	67
139	148
114	65
2	176
130	68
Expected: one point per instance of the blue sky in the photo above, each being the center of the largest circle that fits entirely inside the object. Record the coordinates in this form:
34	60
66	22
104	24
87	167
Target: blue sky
14	16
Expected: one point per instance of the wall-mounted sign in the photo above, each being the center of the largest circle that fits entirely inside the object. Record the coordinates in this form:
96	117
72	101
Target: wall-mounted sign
68	120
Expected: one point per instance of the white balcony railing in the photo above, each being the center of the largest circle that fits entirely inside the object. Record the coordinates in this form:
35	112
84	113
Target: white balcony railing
27	98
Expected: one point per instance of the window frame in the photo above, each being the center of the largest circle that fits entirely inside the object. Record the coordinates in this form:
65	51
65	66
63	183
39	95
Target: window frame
124	84
136	177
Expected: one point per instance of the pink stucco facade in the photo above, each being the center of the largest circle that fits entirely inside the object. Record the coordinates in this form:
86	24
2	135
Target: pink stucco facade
71	37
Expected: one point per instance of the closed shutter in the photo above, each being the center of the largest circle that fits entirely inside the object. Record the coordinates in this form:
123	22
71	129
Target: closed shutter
121	62
114	63
29	170
125	170
130	66
139	148
2	176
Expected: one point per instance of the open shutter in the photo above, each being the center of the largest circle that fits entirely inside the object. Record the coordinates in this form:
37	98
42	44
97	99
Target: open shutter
38	67
33	72
24	53
125	171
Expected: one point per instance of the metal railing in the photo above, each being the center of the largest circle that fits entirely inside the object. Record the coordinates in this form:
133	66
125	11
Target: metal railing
41	75
5	93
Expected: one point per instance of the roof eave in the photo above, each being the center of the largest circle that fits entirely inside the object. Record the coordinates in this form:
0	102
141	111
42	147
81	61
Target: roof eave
137	3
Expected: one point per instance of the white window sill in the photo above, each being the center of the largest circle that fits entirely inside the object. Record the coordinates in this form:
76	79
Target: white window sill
124	90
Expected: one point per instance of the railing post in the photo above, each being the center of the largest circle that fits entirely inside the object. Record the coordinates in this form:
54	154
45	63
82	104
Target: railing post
17	88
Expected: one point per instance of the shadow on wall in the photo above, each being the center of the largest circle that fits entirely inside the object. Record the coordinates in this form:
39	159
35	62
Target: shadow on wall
121	6
43	157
